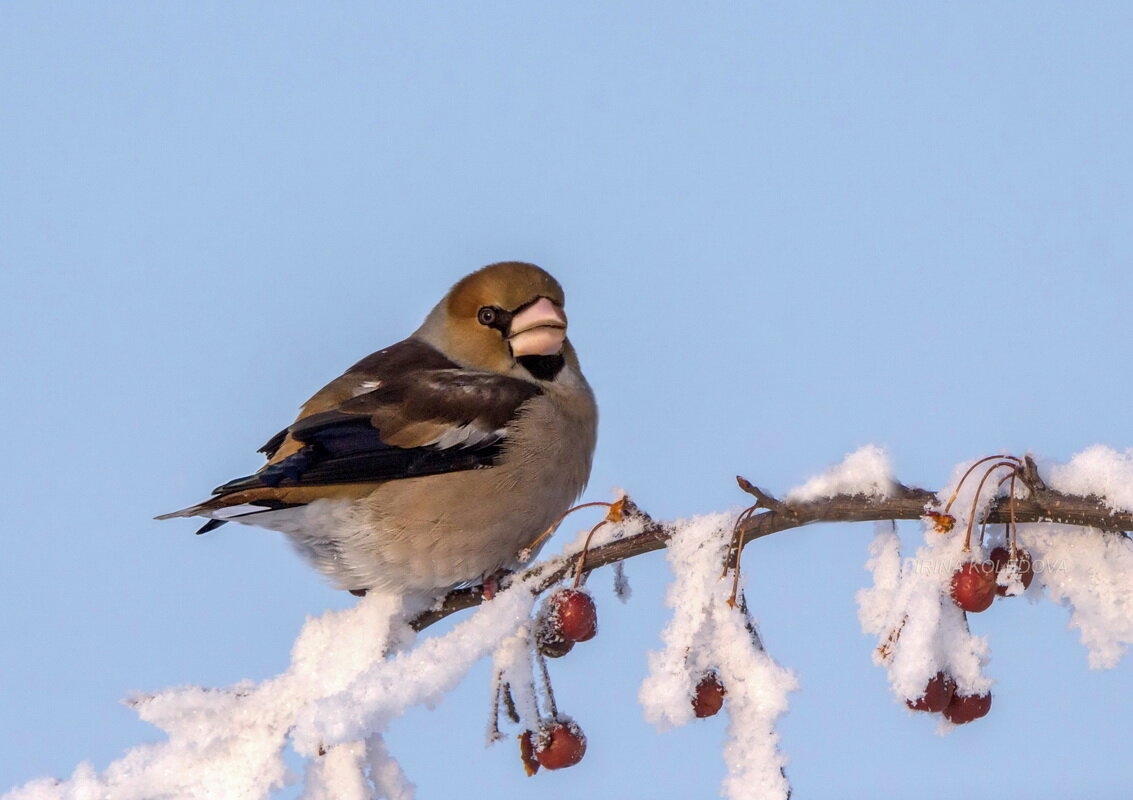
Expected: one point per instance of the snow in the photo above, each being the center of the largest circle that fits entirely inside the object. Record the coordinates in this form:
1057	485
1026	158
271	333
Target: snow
919	630
338	775
706	633
1091	573
865	471
1100	471
388	687
1088	571
341	691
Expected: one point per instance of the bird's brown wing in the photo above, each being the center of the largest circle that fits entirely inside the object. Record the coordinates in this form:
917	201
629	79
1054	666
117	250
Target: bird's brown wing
424	415
390	366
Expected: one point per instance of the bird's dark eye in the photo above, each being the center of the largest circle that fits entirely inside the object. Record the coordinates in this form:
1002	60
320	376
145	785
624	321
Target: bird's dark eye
486	315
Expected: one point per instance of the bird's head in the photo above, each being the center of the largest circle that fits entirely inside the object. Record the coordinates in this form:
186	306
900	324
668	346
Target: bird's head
502	316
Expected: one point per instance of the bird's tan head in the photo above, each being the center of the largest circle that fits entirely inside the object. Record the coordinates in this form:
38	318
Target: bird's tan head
498	316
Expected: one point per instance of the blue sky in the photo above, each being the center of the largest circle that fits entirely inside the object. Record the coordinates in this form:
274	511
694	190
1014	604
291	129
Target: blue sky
785	230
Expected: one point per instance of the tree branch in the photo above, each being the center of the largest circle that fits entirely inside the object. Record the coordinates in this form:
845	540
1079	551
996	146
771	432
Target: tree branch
1044	505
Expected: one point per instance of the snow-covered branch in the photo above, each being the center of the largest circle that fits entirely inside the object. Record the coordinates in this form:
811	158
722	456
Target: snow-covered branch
354	672
892	502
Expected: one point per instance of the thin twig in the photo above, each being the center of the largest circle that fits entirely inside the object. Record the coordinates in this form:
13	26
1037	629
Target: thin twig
494	734
547	690
509	704
762	498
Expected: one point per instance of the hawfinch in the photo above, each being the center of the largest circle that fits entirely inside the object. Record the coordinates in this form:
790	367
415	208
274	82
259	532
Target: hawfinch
434	462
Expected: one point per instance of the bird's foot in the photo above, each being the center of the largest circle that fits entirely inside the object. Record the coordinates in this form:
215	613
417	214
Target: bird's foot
491	585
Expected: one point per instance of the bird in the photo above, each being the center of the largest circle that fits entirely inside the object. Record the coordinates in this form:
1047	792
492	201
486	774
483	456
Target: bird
439	461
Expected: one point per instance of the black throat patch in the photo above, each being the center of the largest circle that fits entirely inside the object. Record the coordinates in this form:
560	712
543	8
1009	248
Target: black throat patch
543	368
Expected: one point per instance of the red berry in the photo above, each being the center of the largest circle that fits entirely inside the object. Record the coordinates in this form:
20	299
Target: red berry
572	613
560	744
967	707
527	753
937	694
709	697
1001	556
973	586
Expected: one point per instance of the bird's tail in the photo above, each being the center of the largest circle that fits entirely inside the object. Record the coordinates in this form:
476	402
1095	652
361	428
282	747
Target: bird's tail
191	511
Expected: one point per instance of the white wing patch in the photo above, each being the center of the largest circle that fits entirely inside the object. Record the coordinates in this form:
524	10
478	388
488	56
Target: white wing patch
366	386
468	435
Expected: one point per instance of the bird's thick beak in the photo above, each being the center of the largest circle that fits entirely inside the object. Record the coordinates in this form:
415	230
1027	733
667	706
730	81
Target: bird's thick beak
538	330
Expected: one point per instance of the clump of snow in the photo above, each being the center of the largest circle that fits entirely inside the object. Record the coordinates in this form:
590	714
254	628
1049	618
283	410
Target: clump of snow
920	631
876	604
706	633
1099	471
386	688
341	774
338	775
1087	570
865	471
340	692
385	773
1090	572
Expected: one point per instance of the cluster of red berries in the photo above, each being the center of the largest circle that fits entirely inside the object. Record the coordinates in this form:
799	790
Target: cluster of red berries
976	583
973	587
941	697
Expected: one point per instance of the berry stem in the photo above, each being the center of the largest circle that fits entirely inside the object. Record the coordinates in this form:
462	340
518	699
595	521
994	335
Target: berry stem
582	556
1012	527
960	485
526	552
976	500
494	734
548	692
734	552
